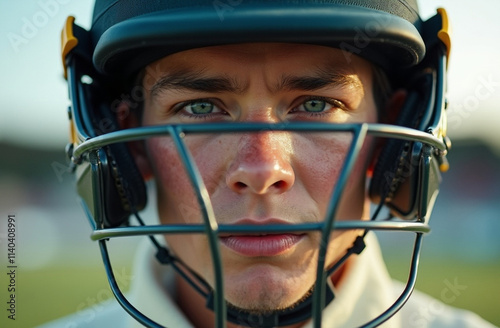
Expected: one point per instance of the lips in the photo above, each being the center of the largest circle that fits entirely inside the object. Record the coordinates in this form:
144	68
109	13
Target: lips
261	245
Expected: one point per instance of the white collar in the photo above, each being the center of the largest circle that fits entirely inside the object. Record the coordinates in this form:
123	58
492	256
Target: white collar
365	293
153	290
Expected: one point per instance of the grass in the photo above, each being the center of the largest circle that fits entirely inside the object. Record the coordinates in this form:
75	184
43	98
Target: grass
47	294
477	285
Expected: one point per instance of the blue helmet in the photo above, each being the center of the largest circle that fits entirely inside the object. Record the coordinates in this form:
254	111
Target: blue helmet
103	63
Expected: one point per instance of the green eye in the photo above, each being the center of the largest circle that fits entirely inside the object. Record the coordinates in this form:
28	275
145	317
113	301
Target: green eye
315	105
201	107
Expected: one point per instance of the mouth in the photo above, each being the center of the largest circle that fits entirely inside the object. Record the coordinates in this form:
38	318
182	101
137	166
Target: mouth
261	245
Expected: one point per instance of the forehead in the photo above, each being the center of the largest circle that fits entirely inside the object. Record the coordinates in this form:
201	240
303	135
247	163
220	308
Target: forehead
275	59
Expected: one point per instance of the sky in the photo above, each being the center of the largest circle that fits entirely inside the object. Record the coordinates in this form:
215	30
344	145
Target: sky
33	93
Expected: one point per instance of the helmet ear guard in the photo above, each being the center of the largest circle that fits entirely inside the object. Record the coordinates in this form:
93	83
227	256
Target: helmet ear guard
119	189
115	178
397	172
407	174
109	184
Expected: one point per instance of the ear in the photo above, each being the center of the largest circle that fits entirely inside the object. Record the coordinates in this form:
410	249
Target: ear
127	120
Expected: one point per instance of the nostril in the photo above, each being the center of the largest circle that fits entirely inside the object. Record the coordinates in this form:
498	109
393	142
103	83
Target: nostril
259	189
279	184
240	185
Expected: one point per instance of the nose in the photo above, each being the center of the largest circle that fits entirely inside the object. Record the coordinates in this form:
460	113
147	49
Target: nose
262	164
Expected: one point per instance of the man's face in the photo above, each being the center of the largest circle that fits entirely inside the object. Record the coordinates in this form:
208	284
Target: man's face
259	178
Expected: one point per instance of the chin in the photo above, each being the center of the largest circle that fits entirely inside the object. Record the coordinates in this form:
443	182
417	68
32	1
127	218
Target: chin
264	288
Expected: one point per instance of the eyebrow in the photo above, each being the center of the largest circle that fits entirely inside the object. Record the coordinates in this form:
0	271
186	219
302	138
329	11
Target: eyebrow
195	81
322	78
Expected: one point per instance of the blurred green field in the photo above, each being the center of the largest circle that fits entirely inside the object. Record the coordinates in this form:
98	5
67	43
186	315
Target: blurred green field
47	294
479	284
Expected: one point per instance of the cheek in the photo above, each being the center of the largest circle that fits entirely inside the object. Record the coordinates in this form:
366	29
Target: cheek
175	195
319	164
177	200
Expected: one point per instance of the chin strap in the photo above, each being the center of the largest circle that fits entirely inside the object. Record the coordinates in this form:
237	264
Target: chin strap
292	315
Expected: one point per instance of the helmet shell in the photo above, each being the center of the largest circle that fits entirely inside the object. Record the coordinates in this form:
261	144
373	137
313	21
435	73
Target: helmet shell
127	34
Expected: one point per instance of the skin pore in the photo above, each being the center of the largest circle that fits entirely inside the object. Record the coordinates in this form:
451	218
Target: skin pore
257	178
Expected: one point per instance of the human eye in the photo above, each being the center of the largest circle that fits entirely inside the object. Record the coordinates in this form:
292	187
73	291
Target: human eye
318	105
199	108
315	105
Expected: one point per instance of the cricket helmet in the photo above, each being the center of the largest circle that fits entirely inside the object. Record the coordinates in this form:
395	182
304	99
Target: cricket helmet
101	64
